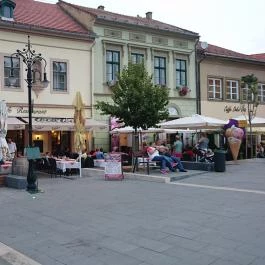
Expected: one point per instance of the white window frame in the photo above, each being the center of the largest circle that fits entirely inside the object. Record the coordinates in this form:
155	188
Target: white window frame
212	88
261	92
10	88
232	89
245	94
58	91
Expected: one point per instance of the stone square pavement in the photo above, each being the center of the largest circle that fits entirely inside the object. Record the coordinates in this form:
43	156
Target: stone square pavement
207	218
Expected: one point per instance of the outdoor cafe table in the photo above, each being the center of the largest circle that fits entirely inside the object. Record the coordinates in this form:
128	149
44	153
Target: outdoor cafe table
63	164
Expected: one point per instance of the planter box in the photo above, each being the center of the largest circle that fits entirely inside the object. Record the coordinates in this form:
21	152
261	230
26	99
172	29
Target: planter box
17	182
190	165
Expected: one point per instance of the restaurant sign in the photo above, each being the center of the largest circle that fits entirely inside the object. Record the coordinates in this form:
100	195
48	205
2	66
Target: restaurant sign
22	111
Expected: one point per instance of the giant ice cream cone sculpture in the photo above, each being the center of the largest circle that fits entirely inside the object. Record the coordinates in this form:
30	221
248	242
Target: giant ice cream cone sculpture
234	136
234	144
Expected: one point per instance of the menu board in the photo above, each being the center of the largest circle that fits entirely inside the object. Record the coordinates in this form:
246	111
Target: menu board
113	166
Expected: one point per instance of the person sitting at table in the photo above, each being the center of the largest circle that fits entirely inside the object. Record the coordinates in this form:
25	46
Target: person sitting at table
99	153
175	161
154	155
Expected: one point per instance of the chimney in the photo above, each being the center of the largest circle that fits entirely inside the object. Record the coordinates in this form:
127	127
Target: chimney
148	15
101	7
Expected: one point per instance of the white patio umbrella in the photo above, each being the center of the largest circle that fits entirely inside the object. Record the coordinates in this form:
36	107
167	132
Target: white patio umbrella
129	129
256	121
194	122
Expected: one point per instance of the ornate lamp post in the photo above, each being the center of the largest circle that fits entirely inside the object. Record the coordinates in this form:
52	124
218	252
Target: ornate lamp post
30	57
200	56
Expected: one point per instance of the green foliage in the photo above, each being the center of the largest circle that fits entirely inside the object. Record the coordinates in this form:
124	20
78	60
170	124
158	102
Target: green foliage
252	83
136	100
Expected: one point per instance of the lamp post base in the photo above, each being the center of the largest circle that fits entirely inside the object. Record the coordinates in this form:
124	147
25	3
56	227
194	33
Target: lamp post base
31	178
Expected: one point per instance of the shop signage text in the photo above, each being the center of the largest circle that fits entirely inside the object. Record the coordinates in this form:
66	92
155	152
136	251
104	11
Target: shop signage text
229	109
22	110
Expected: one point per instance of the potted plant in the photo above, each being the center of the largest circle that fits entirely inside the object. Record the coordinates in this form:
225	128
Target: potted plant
183	91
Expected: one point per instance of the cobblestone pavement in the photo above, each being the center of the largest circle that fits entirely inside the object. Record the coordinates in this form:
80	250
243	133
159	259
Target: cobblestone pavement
206	219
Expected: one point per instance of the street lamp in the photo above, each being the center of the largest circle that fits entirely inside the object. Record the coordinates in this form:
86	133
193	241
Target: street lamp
30	57
200	56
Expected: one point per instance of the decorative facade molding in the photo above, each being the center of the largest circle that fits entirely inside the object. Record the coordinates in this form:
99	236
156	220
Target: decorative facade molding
113	33
137	37
182	44
159	40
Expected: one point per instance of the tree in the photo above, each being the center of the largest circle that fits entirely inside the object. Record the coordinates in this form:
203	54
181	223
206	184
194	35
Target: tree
250	83
136	100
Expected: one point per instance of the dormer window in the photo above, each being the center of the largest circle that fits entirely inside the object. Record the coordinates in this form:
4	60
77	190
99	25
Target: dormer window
7	9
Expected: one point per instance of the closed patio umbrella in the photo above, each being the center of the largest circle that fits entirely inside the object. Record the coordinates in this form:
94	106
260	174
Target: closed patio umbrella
79	126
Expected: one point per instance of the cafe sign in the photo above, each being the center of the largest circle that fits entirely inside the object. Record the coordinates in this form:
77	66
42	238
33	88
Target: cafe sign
234	108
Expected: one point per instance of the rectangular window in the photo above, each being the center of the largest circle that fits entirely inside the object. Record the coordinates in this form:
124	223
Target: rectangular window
12	68
7	11
181	72
113	65
247	95
232	91
214	88
261	93
59	76
160	71
137	58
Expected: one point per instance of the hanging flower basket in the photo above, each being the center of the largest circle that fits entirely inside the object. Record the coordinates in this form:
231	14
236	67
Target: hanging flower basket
183	91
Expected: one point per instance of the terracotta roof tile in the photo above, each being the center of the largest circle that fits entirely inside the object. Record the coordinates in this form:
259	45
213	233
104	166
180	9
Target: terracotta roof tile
219	51
124	19
258	56
50	16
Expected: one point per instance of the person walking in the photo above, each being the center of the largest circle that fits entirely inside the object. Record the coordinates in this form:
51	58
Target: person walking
203	142
178	147
12	148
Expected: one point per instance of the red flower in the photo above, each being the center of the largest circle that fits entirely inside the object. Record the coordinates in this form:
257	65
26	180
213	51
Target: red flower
183	91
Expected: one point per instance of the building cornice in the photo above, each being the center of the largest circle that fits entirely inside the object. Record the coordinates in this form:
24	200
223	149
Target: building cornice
103	23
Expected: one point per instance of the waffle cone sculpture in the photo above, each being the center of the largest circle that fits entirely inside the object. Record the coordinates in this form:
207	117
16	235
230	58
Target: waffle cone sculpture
234	144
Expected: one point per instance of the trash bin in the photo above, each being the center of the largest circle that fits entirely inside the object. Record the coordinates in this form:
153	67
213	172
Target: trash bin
219	160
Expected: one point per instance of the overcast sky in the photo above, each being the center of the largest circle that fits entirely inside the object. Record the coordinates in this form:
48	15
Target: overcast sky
237	25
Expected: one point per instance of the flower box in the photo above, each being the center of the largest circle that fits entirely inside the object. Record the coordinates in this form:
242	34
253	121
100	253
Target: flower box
183	91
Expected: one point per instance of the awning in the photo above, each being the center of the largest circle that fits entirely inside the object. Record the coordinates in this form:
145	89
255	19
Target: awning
14	123
62	124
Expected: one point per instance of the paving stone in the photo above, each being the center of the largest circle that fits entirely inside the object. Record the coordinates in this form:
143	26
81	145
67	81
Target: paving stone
92	221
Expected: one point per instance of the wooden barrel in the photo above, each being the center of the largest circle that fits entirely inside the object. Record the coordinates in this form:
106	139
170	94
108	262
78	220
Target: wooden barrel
20	166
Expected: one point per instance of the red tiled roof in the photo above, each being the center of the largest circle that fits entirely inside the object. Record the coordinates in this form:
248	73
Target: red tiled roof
258	56
212	49
219	51
44	15
101	14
